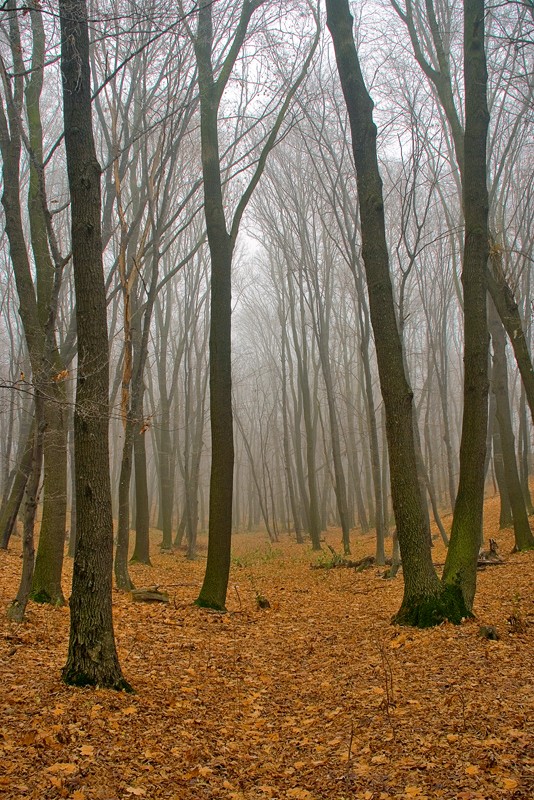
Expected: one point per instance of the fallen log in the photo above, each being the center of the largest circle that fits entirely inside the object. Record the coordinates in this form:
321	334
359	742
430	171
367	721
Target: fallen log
150	594
339	561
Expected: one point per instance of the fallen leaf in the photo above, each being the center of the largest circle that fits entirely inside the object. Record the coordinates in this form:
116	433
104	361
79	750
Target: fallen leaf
66	768
472	769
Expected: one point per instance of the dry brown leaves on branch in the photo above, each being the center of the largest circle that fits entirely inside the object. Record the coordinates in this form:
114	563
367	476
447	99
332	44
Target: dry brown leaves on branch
316	698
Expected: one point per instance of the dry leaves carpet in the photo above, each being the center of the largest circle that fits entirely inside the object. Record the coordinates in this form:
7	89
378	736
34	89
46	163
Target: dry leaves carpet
316	697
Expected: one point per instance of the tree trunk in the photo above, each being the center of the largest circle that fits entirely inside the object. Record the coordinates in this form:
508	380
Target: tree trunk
505	514
122	577
16	495
92	657
422	604
141	553
523	535
215	584
461	564
524	452
16	610
46	584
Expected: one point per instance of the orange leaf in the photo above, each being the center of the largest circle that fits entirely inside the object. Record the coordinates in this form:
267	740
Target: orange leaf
63	767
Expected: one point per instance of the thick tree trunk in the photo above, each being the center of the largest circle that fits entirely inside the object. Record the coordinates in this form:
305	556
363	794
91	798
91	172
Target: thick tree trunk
461	563
92	656
46	586
422	602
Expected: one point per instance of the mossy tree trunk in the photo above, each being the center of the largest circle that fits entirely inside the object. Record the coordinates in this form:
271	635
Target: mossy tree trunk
421	601
46	584
461	563
92	656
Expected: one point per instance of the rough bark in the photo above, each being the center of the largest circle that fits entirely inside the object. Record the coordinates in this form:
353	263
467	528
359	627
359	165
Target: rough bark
461	563
422	604
92	656
46	586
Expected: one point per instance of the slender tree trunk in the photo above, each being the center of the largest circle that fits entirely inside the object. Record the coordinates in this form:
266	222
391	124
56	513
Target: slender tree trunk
166	480
46	585
523	535
286	440
214	587
508	310
122	576
301	351
141	553
17	608
505	514
524	452
16	495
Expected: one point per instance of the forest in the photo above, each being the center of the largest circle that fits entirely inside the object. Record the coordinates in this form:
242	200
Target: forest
266	399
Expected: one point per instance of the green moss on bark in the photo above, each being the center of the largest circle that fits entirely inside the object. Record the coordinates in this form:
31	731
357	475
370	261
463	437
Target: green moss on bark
42	596
426	612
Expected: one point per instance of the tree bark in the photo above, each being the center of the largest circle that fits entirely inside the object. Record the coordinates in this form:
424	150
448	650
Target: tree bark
522	532
16	610
11	509
461	563
421	603
92	657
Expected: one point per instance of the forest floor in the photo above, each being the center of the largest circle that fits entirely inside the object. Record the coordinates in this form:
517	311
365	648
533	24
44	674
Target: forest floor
318	697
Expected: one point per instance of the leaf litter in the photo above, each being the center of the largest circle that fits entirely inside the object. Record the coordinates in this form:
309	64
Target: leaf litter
315	697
